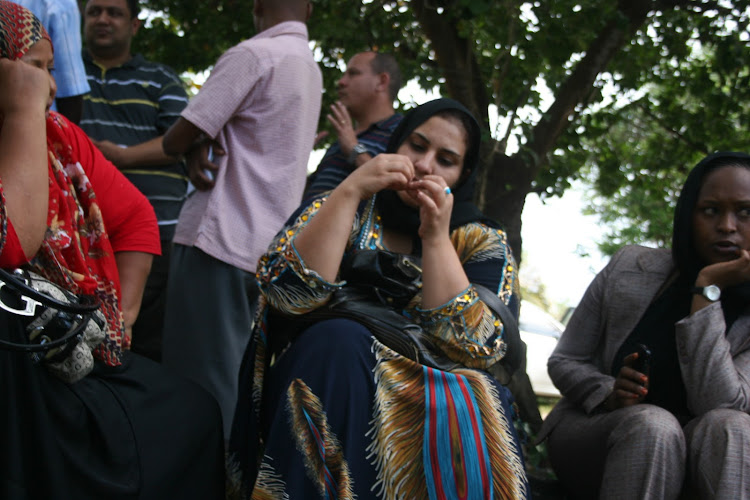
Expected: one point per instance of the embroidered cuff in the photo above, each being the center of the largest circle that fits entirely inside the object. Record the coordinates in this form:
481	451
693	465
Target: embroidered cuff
310	277
454	307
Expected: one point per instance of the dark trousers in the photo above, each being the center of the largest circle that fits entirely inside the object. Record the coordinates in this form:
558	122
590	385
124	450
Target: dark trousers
148	327
210	310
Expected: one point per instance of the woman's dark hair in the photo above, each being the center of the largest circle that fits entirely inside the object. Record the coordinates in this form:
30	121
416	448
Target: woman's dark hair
683	249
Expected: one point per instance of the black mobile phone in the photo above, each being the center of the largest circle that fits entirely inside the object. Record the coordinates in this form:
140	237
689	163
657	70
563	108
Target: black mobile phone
643	363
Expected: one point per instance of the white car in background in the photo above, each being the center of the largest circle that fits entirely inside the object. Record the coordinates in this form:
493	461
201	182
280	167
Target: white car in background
540	331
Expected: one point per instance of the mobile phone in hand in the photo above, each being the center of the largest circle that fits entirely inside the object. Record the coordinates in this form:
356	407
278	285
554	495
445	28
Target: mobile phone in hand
643	363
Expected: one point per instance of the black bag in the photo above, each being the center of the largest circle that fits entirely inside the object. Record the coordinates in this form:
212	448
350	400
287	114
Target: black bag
379	283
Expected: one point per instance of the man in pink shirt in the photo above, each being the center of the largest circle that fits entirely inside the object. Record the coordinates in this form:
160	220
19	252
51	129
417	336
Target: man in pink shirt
258	111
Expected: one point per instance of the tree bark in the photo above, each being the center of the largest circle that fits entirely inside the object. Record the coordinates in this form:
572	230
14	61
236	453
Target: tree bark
455	58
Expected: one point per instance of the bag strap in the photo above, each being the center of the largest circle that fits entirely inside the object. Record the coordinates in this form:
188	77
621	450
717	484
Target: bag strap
19	284
78	315
512	336
78	330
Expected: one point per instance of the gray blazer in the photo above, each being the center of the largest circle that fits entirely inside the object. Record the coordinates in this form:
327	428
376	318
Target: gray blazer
715	365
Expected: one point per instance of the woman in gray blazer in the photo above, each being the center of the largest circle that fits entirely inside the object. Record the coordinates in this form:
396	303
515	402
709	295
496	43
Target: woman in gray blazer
677	421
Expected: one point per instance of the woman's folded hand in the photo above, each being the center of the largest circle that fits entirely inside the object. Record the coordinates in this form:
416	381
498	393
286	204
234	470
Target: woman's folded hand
385	171
23	87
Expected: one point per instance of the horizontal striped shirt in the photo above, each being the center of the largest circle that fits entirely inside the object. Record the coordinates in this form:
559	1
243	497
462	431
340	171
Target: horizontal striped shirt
131	104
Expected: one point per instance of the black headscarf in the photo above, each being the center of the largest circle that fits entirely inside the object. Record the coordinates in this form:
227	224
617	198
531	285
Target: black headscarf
733	299
683	250
405	219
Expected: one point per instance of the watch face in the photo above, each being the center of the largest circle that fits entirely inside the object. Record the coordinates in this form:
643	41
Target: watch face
712	292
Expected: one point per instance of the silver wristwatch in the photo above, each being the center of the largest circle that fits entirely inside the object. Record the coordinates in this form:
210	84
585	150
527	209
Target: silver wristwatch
357	150
711	292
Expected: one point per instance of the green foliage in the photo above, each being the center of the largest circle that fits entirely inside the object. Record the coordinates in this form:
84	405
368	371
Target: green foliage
513	48
638	155
190	35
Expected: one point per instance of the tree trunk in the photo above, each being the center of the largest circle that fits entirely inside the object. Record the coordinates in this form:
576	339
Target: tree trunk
502	195
506	181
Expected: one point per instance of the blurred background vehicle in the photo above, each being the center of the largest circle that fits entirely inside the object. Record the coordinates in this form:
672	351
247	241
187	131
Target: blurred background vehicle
540	331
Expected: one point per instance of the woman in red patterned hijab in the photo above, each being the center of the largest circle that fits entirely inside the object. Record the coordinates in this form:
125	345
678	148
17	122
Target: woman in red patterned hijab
68	214
86	194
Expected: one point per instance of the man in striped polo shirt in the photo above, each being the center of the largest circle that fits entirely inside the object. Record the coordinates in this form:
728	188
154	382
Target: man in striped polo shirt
131	105
363	118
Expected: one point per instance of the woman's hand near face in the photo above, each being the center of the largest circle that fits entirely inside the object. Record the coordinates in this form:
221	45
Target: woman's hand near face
321	243
631	386
435	207
23	88
443	276
385	171
723	275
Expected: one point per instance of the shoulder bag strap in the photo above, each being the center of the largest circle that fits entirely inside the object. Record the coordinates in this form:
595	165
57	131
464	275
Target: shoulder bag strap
512	337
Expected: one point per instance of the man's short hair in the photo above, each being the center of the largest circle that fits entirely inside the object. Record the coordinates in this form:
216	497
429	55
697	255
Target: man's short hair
386	63
134	8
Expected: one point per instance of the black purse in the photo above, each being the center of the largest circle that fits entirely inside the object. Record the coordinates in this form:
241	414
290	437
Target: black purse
60	328
379	284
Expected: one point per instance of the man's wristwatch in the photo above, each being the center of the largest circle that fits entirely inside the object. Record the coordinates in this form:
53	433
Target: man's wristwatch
357	150
711	292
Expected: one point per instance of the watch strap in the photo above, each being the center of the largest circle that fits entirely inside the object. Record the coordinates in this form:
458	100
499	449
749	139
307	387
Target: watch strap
710	292
357	150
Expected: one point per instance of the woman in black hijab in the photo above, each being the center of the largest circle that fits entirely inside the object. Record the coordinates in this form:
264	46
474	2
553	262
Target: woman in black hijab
336	412
628	428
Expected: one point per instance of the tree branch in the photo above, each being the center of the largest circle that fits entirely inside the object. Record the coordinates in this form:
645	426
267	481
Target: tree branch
678	135
456	59
501	145
630	15
503	64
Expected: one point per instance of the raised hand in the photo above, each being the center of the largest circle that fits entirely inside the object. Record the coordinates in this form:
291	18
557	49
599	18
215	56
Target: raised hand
342	124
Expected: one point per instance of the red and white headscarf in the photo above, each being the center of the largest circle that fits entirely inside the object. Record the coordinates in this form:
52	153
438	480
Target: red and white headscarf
19	30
